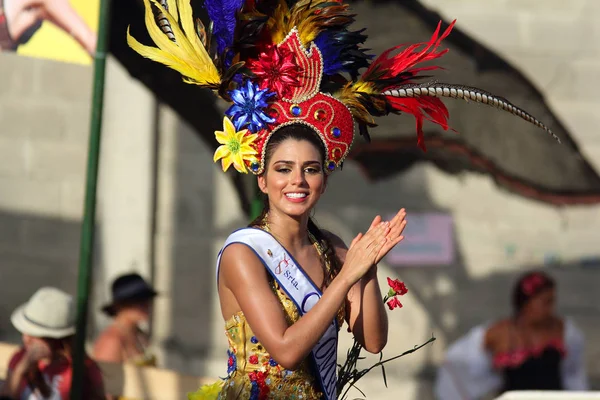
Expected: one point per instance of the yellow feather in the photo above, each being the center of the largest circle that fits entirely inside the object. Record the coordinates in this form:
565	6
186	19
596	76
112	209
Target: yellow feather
278	25
157	35
197	58
186	55
180	37
187	21
349	95
173	7
158	55
309	24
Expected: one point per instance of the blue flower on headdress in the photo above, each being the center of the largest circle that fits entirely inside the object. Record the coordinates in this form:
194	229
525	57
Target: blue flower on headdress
249	103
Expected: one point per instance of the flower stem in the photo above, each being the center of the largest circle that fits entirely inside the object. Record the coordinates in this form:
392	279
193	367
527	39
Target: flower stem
349	378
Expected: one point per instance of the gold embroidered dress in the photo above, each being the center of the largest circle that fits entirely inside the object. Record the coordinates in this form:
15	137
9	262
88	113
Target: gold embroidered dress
252	373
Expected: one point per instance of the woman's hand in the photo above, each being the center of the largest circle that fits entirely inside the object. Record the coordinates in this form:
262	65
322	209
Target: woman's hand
394	236
23	14
36	351
364	252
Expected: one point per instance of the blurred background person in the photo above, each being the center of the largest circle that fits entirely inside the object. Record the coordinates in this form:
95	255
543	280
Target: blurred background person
533	350
42	368
125	340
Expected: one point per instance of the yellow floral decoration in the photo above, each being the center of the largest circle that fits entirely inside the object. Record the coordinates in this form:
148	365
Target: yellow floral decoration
236	147
207	392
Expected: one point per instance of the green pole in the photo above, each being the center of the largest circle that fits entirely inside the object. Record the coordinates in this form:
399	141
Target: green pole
89	213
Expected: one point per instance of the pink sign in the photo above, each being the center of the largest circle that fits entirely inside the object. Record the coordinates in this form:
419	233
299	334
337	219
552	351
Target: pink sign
428	240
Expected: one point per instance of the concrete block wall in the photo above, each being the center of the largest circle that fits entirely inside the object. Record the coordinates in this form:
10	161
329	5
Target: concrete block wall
44	117
44	125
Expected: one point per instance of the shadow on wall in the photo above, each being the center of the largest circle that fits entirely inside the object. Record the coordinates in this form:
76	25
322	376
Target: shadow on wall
35	251
192	231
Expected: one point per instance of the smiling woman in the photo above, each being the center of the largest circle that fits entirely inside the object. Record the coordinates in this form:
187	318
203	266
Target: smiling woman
307	279
290	70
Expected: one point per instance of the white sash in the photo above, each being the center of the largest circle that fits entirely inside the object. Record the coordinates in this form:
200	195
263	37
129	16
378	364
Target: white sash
300	289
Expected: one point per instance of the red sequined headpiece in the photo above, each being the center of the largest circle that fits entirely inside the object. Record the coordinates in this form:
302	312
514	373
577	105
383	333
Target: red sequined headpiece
326	115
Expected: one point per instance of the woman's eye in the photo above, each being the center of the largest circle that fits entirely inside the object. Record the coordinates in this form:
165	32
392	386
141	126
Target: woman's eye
312	170
283	170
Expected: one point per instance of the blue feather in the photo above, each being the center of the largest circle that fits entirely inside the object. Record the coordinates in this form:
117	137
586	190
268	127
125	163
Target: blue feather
331	52
223	14
341	51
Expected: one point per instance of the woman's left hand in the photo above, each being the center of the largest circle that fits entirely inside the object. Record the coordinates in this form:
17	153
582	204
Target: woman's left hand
397	225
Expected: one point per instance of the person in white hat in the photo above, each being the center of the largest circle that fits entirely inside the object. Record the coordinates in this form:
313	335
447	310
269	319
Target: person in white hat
42	368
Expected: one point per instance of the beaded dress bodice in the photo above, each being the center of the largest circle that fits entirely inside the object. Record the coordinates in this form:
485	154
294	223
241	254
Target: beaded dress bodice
252	373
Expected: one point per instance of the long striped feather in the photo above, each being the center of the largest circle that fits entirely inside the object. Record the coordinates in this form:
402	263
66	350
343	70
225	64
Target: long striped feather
163	22
436	89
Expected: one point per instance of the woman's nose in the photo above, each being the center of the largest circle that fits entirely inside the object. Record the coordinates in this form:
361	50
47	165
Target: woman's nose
298	177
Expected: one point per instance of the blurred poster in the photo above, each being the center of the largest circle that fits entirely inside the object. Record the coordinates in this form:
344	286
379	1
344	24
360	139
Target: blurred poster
428	240
63	30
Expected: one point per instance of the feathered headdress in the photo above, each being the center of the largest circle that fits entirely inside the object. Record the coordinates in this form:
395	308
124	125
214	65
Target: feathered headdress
282	62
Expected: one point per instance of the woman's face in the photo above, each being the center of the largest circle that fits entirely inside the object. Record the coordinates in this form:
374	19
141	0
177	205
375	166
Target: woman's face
138	312
294	179
541	306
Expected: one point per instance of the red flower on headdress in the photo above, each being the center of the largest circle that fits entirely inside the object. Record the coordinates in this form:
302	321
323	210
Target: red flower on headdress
397	286
394	303
276	70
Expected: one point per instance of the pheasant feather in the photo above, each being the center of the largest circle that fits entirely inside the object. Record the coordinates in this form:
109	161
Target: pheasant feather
435	89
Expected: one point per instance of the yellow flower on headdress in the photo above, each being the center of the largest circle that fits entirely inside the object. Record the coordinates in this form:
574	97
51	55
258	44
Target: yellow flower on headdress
236	147
207	392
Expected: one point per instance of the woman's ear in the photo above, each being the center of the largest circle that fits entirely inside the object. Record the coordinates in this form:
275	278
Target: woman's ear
262	183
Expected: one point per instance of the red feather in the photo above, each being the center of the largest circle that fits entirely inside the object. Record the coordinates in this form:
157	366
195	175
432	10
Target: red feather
429	108
405	61
386	71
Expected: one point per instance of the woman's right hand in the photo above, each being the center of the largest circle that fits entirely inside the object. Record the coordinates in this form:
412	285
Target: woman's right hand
363	252
36	351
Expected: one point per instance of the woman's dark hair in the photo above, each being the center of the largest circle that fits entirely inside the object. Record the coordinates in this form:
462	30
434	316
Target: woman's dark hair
528	286
301	132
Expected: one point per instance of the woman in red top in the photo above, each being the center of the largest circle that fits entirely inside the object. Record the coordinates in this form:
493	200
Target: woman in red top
42	368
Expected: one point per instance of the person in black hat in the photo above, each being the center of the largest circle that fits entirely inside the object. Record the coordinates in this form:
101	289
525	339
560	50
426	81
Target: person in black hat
131	306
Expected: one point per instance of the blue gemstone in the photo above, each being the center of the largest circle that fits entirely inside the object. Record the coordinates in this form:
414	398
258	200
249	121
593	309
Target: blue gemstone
254	340
336	132
255	166
296	110
331	165
272	362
